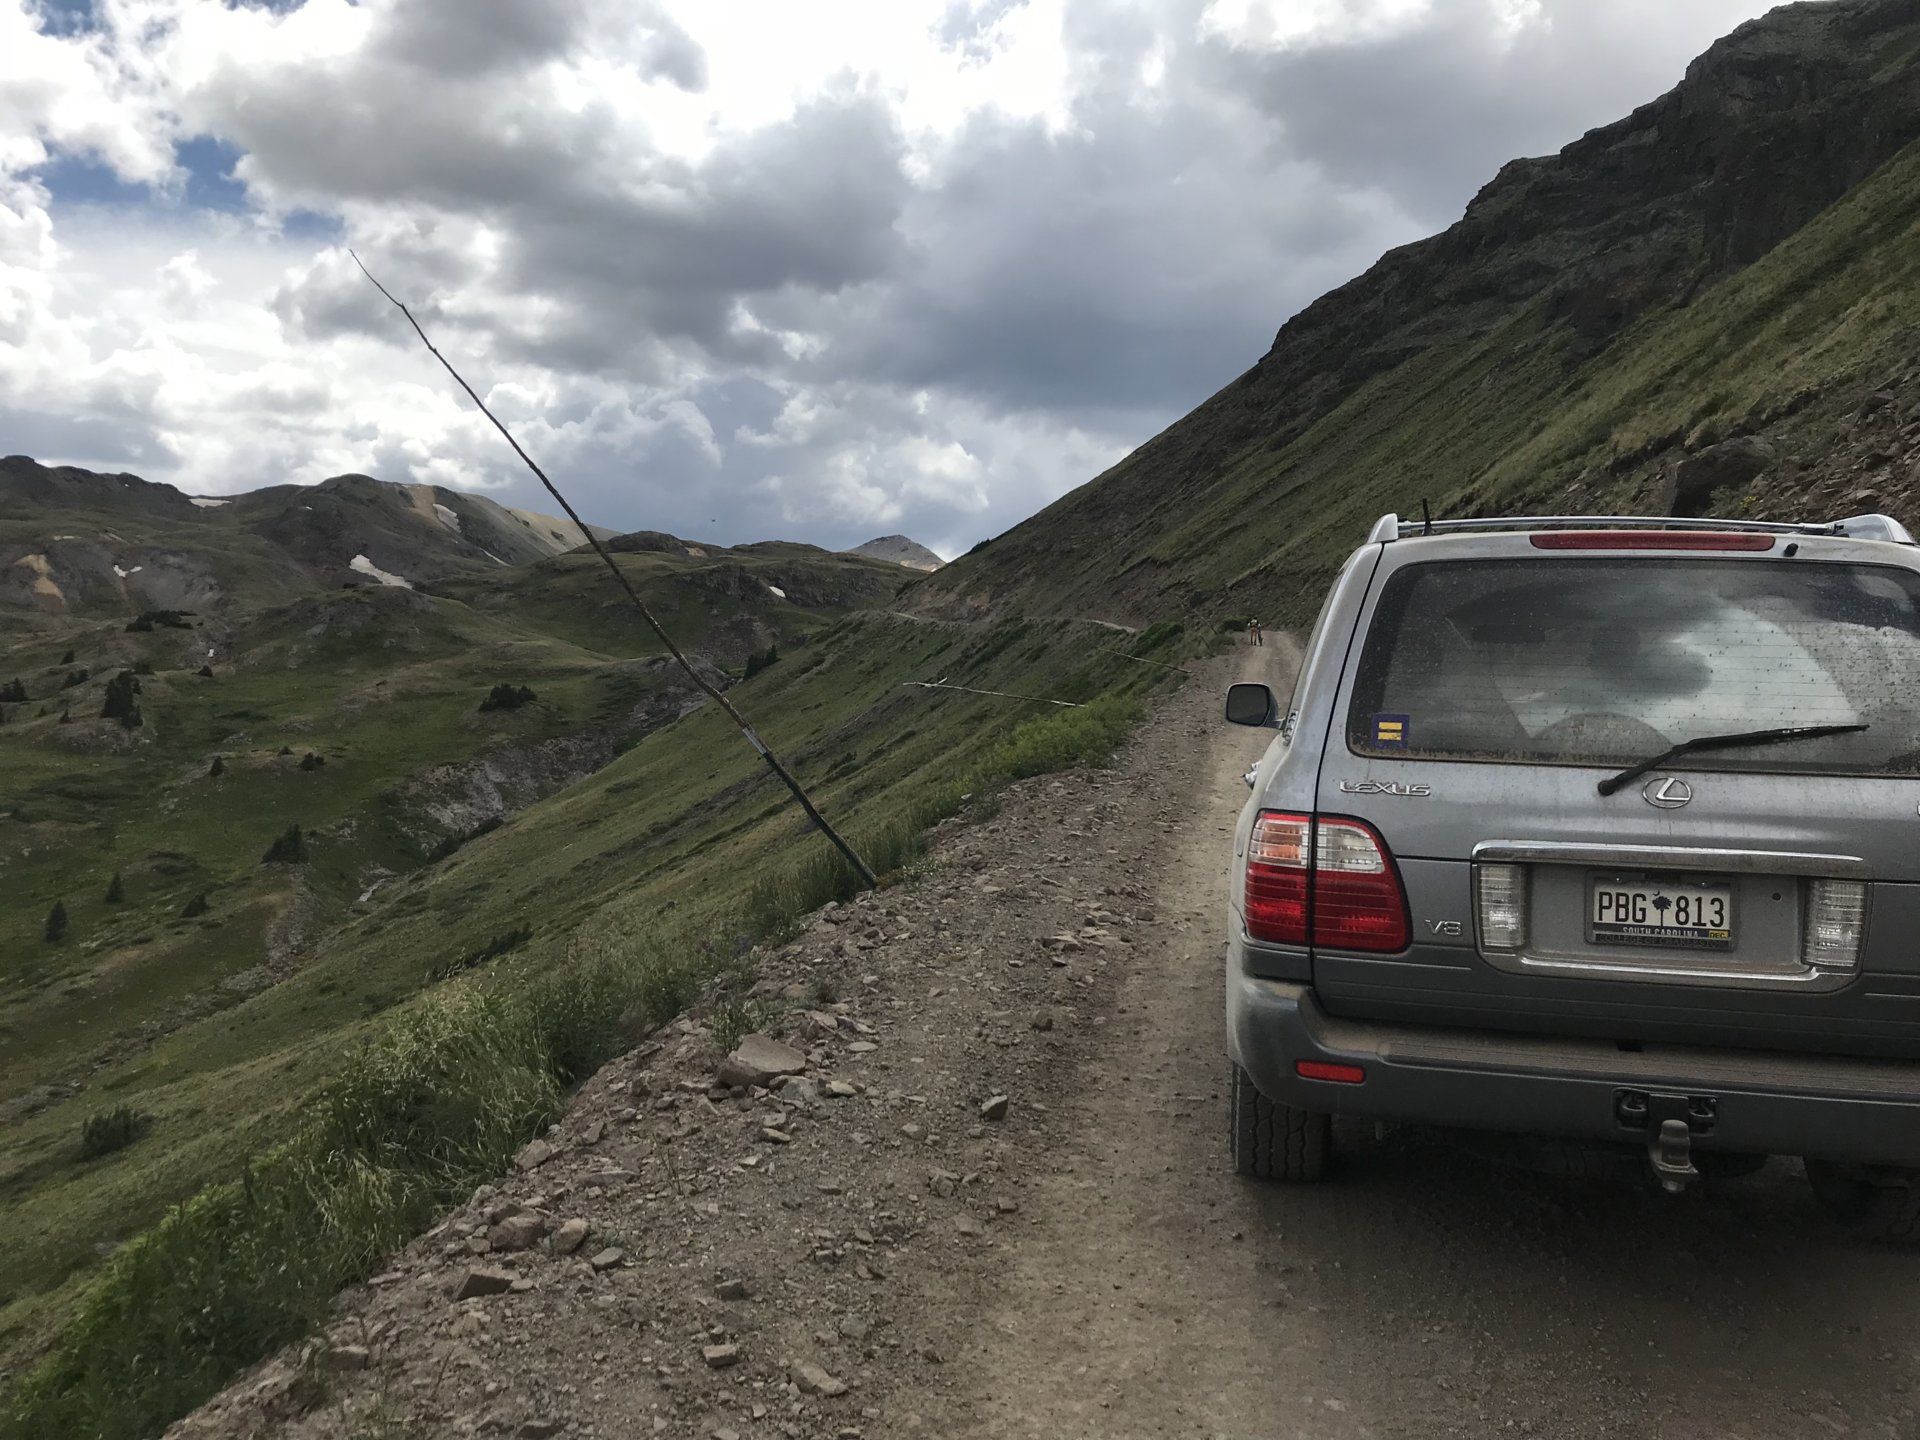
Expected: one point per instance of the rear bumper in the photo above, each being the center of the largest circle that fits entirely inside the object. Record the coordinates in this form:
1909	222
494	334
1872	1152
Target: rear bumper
1765	1103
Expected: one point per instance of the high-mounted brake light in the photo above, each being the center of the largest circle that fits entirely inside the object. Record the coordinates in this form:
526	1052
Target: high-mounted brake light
1648	540
1348	895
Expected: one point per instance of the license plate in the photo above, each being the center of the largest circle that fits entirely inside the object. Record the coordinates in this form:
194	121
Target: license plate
1628	911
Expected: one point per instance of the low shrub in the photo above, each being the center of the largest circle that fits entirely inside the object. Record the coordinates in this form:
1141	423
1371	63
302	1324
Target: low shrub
734	1018
110	1130
508	697
1085	735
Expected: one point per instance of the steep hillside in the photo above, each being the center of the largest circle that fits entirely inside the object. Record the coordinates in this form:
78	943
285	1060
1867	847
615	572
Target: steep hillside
76	542
616	899
1730	262
161	738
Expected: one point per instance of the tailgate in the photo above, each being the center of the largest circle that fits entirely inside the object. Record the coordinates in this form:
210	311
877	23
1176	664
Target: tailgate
1745	898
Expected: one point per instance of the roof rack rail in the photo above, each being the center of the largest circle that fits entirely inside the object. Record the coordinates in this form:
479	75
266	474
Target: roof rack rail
1856	527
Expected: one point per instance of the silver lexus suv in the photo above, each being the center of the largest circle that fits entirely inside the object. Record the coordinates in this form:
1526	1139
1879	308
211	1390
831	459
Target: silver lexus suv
1602	830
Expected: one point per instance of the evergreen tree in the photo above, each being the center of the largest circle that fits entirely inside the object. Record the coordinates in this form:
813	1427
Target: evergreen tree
508	697
13	693
119	703
67	659
311	761
56	922
195	907
288	848
218	768
116	892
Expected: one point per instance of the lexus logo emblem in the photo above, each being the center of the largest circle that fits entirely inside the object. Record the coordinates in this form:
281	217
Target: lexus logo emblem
1667	793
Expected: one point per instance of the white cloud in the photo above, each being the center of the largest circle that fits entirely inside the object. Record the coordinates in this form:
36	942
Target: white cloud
737	267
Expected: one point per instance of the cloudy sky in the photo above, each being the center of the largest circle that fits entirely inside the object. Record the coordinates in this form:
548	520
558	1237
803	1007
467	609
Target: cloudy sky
732	268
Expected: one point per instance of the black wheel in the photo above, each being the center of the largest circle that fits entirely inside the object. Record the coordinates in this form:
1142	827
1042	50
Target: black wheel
1274	1142
1875	1202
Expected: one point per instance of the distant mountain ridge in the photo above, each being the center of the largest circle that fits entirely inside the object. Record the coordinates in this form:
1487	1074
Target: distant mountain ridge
900	550
72	540
1734	260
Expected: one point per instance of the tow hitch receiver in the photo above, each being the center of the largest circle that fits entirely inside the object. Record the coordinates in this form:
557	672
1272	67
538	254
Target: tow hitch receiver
1669	1122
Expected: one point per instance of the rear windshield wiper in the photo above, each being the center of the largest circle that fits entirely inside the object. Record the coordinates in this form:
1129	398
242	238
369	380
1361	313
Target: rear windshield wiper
1723	742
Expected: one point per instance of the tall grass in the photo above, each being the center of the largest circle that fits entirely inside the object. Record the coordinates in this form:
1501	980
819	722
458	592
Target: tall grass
440	1101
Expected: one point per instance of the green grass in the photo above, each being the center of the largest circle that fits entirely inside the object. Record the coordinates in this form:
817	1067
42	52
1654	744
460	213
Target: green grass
141	1001
632	890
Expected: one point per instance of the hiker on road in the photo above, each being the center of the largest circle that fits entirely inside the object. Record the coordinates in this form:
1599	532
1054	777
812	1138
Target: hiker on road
1253	628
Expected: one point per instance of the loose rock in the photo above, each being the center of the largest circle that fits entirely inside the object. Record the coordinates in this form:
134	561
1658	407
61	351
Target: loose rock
483	1282
812	1380
757	1060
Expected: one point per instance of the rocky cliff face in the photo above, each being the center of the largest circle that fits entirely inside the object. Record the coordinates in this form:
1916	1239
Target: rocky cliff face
1768	129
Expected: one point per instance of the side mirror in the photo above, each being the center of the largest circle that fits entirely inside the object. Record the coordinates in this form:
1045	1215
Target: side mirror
1250	704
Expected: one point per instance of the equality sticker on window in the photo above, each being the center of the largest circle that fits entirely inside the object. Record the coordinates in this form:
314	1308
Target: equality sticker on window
1390	731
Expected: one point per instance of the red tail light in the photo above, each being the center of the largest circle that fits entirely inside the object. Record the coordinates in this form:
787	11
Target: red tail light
1649	540
1348	895
1277	870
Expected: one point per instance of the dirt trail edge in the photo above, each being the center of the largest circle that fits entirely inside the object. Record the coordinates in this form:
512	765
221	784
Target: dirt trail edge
993	1200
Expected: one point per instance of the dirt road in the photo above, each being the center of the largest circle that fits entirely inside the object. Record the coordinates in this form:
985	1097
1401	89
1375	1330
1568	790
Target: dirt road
1419	1292
1084	1264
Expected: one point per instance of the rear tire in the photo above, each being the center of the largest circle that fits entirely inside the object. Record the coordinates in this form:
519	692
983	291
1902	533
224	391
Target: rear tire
1874	1202
1271	1141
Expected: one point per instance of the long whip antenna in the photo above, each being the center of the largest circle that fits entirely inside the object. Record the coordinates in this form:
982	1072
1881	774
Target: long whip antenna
753	739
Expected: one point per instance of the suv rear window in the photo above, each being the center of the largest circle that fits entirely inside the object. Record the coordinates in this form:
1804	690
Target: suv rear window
1608	661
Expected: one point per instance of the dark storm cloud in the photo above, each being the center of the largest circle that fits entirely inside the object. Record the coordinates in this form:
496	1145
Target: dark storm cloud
1430	111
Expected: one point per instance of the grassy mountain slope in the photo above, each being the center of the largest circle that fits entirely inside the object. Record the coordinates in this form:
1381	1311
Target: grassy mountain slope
1731	261
658	870
382	687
